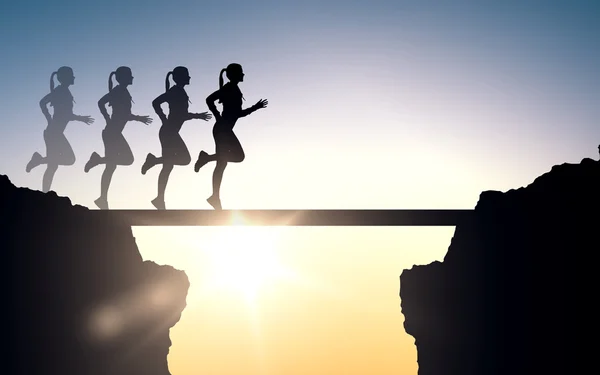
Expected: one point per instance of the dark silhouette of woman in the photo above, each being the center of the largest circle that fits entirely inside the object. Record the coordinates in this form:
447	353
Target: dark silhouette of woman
227	146
58	149
174	150
116	148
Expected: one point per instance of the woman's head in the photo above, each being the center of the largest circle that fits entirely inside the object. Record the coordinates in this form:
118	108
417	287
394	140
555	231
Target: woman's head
65	76
234	74
181	76
123	76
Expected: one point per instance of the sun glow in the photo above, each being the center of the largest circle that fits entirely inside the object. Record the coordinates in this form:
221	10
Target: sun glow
244	259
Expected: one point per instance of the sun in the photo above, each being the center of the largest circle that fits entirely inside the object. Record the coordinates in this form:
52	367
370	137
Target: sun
243	259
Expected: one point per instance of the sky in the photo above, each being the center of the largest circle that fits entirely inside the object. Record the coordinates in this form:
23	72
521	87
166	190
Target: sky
372	104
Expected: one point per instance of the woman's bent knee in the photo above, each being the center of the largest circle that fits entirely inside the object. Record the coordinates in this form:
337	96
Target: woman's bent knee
182	159
238	157
126	160
67	160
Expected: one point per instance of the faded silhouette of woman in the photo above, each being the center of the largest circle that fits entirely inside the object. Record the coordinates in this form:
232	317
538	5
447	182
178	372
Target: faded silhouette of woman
116	148
174	150
227	146
58	149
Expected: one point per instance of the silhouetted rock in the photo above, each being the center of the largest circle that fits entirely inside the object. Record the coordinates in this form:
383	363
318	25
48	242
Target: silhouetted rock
80	298
511	295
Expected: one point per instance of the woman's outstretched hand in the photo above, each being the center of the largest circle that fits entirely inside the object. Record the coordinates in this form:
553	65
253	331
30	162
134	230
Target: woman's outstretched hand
86	119
145	119
261	104
202	116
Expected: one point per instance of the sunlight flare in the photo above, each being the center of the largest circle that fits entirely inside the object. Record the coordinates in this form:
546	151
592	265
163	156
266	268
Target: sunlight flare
244	259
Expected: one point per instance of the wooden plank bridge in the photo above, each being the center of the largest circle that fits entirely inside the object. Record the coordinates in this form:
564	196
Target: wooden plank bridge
382	217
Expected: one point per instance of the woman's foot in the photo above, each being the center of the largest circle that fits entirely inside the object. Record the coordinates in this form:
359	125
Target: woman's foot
94	161
36	159
159	203
102	203
215	202
203	158
149	163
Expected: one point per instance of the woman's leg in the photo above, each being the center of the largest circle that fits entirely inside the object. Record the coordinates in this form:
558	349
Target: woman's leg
217	178
152	160
228	149
231	150
109	169
58	152
66	156
235	152
117	152
124	155
163	178
179	151
173	153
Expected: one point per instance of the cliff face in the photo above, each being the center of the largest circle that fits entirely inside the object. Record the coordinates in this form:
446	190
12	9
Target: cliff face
78	298
509	296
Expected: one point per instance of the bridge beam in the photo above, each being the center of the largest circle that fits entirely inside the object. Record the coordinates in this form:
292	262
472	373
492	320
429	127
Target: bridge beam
388	217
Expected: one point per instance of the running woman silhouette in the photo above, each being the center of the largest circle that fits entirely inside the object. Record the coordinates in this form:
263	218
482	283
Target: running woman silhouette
116	148
174	150
227	146
58	148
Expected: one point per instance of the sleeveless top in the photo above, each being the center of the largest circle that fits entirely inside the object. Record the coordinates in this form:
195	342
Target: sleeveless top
120	100
178	101
62	102
231	98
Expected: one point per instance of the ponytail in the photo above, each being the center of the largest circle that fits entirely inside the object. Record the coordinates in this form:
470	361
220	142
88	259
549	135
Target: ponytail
167	82
221	80
110	81
52	81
